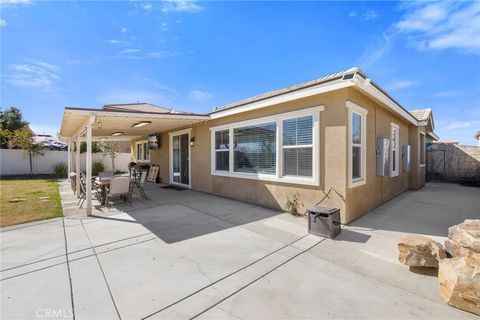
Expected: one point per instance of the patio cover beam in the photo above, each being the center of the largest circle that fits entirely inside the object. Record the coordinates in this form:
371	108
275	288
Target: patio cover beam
88	165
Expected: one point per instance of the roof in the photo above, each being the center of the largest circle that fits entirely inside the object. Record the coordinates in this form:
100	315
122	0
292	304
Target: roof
139	106
295	87
421	114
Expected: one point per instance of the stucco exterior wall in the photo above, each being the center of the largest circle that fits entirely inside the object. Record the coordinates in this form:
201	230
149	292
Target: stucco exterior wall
377	189
333	153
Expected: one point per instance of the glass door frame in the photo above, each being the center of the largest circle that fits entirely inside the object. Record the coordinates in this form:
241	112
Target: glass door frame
171	135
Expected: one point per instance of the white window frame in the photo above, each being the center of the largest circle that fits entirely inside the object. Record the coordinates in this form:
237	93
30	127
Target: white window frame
354	108
144	144
422	149
221	150
278	176
396	147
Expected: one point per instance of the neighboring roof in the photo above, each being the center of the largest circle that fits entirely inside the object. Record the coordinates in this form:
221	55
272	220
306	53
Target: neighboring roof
477	135
421	114
140	106
292	88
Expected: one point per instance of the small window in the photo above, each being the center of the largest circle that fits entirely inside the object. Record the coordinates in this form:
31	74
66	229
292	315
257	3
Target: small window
143	151
222	150
298	147
357	144
394	146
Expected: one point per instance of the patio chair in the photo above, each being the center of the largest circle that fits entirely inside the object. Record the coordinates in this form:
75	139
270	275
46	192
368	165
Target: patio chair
119	187
105	174
139	184
83	192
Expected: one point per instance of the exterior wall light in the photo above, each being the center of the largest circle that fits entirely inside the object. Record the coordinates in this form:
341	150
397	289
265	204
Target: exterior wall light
117	134
141	124
192	141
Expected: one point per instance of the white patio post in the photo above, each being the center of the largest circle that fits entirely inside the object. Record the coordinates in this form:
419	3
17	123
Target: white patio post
89	166
77	165
69	159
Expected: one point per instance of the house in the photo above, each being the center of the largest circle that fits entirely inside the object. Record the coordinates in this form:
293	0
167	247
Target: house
319	140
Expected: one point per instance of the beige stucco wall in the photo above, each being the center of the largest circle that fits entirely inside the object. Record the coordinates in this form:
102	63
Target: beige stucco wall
332	155
353	202
418	173
377	189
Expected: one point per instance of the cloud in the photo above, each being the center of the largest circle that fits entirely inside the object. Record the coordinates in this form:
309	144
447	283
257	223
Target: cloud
352	14
147	7
3	23
459	125
200	96
180	6
369	15
124	30
165	26
117	42
35	74
129	51
443	25
401	84
13	3
370	56
447	94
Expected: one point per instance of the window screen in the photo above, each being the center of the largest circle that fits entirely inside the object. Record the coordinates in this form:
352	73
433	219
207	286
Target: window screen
298	147
356	146
222	152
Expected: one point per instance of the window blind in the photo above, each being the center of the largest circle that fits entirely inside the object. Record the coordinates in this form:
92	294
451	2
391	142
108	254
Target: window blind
298	147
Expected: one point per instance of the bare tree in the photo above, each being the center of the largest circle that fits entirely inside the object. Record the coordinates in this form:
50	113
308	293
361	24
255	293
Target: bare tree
110	148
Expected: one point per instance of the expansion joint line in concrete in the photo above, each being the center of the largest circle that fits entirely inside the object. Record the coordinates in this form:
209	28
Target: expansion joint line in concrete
68	268
103	272
229	275
255	280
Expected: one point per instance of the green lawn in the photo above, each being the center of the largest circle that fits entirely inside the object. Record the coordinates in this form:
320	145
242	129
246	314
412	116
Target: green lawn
26	200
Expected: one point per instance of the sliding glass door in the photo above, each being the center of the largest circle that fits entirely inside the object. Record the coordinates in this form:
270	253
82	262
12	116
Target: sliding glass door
180	159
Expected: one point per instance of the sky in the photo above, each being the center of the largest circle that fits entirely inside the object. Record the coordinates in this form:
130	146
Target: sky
195	56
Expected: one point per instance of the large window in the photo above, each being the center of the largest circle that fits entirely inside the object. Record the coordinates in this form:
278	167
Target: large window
282	147
143	152
298	147
357	123
222	152
394	146
255	148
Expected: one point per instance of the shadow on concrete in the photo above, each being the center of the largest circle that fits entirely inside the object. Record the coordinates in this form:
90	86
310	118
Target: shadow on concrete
352	236
176	216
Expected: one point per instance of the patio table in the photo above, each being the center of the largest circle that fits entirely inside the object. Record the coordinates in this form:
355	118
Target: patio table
103	183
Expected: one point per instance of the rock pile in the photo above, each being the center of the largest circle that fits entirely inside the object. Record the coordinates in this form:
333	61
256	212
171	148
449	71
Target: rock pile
458	263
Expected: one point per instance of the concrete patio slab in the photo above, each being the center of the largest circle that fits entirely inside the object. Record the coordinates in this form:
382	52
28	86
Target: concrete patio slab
185	254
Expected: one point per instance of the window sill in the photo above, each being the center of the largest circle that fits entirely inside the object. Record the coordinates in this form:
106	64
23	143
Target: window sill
394	174
422	165
357	183
271	178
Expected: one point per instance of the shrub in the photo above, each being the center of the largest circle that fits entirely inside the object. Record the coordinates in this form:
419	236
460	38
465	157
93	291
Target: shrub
97	167
294	204
60	170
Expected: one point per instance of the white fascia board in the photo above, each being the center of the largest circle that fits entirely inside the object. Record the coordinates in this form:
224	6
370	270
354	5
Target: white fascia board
433	135
368	88
302	93
137	115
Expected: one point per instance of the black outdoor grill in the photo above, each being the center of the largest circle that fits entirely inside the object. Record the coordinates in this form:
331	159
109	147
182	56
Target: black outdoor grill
324	221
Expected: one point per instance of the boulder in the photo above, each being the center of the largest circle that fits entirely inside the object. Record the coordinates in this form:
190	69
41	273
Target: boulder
460	282
466	234
456	250
420	251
